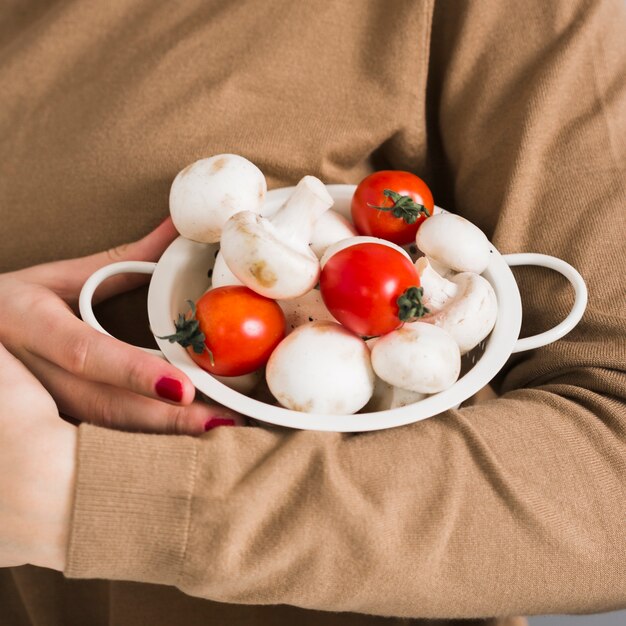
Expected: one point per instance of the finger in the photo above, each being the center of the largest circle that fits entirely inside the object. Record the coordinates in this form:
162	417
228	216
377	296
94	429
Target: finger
105	405
66	278
64	340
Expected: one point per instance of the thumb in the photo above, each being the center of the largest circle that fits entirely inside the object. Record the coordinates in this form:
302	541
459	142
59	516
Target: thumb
66	278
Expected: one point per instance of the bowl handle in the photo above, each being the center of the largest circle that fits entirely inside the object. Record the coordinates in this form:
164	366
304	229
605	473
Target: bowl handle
580	297
99	276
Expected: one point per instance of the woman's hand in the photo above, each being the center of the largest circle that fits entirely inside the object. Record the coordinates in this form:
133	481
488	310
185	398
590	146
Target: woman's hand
93	377
37	463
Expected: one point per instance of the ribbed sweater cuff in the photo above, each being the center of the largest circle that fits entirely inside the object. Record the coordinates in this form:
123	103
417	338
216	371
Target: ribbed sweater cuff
132	506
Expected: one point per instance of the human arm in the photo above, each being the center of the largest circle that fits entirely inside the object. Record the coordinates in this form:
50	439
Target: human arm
93	377
37	470
515	505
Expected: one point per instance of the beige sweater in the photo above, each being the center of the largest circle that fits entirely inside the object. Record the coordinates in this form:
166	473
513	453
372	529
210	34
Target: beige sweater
515	113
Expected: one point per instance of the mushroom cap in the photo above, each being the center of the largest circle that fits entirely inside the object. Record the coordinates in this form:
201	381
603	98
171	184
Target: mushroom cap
206	193
471	314
262	260
342	244
386	396
328	229
419	357
454	242
321	367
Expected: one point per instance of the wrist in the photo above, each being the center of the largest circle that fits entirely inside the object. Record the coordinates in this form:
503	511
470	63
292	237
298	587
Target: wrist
53	495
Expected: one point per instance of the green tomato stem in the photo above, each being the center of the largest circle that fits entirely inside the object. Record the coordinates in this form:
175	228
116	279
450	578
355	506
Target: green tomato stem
410	305
188	333
403	207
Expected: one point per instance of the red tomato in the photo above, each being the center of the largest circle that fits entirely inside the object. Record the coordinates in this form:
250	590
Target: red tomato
370	193
360	286
241	329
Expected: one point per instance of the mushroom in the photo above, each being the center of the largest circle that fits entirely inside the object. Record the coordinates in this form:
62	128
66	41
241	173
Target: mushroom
440	268
328	229
321	367
307	308
221	276
465	306
386	396
437	289
273	257
206	193
419	357
353	241
454	242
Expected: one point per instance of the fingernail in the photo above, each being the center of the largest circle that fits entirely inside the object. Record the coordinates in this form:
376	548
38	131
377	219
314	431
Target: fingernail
218	421
169	388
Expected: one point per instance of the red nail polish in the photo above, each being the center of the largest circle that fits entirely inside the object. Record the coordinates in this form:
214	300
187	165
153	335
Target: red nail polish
218	421
169	388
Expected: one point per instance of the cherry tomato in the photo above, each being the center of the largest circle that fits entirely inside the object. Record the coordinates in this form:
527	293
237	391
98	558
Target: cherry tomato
377	222
360	286
241	329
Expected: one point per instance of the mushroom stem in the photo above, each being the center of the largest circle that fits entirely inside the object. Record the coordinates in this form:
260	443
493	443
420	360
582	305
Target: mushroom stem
328	229
469	316
440	268
437	290
296	218
273	257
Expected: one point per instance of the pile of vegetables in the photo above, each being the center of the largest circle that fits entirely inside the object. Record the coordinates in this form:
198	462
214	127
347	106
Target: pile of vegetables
336	314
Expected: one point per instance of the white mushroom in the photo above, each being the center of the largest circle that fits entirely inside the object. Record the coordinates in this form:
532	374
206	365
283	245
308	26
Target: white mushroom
465	306
321	367
206	193
437	289
454	242
273	257
307	308
353	241
328	229
419	357
221	276
386	396
440	268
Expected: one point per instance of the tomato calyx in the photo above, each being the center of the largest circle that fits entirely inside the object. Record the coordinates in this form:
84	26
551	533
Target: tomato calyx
188	333
403	207
410	304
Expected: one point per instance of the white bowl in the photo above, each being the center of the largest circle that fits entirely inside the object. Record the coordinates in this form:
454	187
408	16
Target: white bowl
181	275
